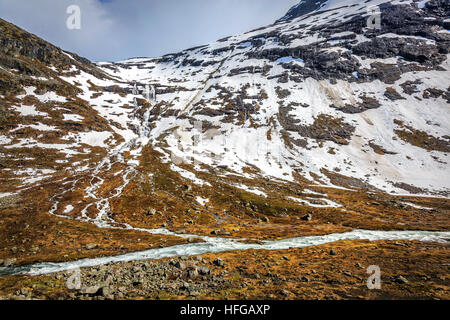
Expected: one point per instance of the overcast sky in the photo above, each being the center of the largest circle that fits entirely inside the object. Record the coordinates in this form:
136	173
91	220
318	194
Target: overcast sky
113	30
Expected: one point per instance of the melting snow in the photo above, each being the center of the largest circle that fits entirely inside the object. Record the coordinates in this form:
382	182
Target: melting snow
4	140
72	117
68	209
189	175
29	111
202	201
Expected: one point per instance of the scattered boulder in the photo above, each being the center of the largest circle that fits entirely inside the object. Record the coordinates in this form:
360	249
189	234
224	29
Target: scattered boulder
90	290
192	272
9	262
219	262
91	246
392	94
401	280
284	293
180	265
203	271
186	286
105	292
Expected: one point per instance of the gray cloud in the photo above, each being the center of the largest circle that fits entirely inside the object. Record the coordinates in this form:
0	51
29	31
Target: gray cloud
118	29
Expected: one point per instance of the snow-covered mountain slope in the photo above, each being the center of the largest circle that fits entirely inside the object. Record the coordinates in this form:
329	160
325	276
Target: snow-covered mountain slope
321	96
59	114
299	128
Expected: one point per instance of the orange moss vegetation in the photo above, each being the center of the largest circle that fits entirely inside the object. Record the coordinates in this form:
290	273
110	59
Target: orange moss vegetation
157	197
28	233
421	139
281	274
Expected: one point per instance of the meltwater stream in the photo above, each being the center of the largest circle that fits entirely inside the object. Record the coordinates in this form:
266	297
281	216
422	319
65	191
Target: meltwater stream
213	245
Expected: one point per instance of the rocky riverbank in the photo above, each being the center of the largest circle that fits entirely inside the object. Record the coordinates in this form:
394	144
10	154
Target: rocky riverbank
409	270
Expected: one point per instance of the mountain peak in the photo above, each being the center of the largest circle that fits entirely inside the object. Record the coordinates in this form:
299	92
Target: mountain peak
305	7
302	8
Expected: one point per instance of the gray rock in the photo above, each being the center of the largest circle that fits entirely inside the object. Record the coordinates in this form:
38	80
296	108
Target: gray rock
91	246
401	280
105	292
90	290
219	262
194	293
25	292
347	273
284	293
203	271
192	273
9	262
180	265
186	286
109	279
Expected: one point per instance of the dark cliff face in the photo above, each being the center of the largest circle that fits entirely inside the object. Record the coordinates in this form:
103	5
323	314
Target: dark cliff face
417	53
16	42
24	55
302	8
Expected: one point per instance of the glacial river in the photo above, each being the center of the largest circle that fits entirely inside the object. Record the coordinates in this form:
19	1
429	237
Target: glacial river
214	245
